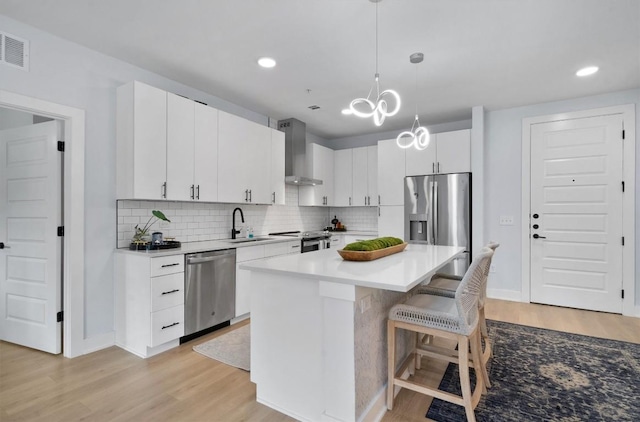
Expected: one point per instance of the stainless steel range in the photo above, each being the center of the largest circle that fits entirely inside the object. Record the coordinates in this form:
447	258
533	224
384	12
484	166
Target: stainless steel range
309	241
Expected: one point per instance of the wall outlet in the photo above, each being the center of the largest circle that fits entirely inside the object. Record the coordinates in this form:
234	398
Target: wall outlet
492	268
365	304
506	220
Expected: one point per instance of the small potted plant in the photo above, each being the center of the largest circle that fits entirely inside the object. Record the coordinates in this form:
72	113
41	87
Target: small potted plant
142	233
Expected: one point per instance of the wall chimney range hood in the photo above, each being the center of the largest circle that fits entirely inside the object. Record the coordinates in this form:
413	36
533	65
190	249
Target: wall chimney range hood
296	169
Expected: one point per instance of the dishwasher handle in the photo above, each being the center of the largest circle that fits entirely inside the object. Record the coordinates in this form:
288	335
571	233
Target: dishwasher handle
196	261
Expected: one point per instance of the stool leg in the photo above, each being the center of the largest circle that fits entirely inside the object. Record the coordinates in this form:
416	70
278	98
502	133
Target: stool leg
488	351
465	383
391	364
478	363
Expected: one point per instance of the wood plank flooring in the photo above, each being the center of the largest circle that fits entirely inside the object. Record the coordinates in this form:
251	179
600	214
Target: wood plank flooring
181	385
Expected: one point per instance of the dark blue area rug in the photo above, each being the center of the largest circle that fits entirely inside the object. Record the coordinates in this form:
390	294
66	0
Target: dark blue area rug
545	375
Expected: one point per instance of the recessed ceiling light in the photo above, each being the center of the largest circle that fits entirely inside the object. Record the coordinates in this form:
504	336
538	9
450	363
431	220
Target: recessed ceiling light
347	111
266	62
586	71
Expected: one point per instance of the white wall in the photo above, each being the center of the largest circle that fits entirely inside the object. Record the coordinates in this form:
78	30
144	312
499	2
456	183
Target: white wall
66	73
503	181
14	118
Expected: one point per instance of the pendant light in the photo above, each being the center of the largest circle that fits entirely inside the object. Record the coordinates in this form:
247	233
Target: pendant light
378	109
417	136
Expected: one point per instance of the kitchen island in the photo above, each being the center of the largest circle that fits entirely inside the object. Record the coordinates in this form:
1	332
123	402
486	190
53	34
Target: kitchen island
318	329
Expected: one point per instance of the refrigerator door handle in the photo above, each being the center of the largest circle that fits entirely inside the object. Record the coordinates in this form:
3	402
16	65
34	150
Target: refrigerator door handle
435	213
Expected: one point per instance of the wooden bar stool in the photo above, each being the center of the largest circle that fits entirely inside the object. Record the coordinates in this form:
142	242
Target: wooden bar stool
446	285
452	318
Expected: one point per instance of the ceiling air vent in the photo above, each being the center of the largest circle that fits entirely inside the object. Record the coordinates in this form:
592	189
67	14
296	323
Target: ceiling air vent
14	51
314	107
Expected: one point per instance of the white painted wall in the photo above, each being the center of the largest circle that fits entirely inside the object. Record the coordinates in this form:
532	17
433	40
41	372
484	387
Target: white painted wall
503	182
66	73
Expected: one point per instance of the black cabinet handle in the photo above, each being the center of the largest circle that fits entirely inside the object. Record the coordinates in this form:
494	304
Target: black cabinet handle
170	291
536	236
198	192
170	265
170	325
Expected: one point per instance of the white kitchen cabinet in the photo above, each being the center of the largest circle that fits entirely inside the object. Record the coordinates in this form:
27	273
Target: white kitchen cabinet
448	152
244	160
141	133
149	303
365	176
180	148
391	221
391	173
372	176
320	164
343	177
205	172
277	167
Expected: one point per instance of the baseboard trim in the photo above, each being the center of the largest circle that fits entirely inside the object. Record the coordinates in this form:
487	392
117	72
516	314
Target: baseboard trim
377	408
512	295
99	342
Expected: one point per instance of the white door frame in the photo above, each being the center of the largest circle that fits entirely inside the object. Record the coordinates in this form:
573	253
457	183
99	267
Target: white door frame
73	276
628	201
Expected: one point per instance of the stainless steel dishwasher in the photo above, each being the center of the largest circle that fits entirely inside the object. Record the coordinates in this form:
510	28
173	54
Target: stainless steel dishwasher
210	289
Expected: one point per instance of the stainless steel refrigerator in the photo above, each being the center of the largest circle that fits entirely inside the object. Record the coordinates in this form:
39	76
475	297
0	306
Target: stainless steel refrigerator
437	211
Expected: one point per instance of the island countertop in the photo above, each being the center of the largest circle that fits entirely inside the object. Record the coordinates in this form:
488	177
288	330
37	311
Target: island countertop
398	272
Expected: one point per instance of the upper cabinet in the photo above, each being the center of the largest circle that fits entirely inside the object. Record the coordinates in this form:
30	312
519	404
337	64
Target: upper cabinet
365	176
391	172
342	177
141	142
167	146
320	162
448	152
244	160
277	167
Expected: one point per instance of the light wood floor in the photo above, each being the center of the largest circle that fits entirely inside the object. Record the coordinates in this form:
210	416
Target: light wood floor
181	385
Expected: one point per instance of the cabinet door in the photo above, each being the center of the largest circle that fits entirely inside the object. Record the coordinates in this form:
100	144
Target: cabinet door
454	151
180	147
233	145
243	291
372	172
327	171
360	177
277	167
206	153
391	172
259	163
422	162
149	141
343	177
391	221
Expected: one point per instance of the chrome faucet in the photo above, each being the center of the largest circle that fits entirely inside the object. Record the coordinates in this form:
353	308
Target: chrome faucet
233	226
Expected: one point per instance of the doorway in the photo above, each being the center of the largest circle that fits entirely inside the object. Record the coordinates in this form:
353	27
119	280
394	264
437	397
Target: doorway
72	121
30	245
578	196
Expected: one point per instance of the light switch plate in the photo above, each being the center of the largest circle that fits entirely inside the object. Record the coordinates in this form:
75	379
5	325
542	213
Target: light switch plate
506	220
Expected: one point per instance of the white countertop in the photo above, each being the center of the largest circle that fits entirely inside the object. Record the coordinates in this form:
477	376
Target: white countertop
211	245
398	272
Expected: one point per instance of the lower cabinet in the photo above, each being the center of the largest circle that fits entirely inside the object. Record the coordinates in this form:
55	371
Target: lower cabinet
149	303
250	253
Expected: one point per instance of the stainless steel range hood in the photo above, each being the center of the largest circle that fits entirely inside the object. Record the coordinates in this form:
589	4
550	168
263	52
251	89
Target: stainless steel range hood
295	161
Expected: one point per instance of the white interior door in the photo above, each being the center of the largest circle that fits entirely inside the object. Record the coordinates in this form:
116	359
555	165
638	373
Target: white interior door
30	213
576	213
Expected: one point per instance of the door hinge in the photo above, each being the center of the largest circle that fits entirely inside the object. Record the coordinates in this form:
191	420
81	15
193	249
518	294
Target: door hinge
622	240
61	146
60	316
60	230
622	293
623	186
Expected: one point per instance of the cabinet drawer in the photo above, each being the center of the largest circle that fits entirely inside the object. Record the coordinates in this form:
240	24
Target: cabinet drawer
294	247
167	265
167	325
275	249
167	291
249	253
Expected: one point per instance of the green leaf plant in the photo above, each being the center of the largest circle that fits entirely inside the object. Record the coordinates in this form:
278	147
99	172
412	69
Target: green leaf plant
140	233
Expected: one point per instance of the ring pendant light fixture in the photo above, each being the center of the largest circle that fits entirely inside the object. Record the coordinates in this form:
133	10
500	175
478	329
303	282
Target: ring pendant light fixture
417	136
378	109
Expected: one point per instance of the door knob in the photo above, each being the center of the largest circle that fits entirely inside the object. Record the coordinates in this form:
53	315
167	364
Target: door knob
537	236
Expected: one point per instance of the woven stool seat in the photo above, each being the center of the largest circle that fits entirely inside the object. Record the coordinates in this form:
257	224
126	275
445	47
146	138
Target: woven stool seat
432	311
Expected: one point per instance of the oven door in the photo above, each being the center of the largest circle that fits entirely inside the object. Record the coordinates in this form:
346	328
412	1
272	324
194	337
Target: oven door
310	245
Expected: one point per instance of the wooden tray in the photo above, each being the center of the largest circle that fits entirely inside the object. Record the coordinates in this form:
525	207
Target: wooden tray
371	255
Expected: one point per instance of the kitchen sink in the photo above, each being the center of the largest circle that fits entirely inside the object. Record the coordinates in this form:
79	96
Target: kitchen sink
254	239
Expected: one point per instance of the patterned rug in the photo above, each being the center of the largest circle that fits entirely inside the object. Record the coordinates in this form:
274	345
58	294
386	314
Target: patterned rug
232	348
544	375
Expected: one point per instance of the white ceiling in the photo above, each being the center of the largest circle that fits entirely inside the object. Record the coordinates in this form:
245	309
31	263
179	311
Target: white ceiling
496	53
